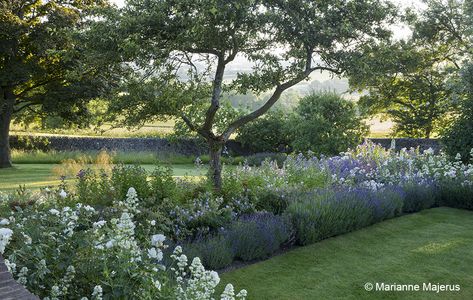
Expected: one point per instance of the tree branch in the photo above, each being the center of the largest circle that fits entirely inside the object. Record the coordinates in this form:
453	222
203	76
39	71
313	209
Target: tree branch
215	101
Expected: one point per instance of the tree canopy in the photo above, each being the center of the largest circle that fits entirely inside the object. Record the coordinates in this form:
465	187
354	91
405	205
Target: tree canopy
46	66
412	81
182	49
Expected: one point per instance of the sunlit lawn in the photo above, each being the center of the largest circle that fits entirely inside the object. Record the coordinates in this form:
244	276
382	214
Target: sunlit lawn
433	246
41	175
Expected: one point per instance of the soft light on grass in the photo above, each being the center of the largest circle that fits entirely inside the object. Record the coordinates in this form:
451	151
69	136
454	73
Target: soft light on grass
433	246
34	176
56	157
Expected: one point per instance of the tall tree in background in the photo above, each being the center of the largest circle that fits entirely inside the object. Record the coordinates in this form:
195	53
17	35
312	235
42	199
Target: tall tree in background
183	48
412	82
44	66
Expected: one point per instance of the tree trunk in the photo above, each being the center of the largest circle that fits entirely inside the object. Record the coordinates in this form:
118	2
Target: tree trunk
6	110
215	170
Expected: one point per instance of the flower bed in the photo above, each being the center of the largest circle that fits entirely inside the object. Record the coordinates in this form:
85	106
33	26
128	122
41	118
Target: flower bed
101	239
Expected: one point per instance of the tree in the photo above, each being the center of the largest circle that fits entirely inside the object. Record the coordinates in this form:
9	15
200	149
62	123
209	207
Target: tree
458	138
411	81
183	49
268	133
44	65
325	123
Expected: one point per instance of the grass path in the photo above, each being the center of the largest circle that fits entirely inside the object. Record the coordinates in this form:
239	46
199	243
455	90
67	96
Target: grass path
40	175
433	246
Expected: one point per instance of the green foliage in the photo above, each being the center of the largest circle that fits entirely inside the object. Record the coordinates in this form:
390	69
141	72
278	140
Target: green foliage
46	65
458	137
30	143
412	82
327	124
266	134
456	194
162	184
123	177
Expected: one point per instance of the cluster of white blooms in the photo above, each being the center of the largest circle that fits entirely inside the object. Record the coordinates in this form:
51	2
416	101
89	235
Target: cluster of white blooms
97	294
194	282
155	252
59	232
5	235
130	204
229	293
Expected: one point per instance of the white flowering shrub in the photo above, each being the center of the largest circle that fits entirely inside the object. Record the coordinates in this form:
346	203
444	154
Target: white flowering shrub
80	253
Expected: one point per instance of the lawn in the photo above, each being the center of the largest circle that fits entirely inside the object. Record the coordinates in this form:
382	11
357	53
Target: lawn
431	246
40	175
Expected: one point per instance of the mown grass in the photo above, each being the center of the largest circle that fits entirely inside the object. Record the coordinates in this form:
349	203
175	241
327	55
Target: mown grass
40	175
144	158
431	246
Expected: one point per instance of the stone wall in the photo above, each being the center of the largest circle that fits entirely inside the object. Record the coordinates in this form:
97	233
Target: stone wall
166	146
9	288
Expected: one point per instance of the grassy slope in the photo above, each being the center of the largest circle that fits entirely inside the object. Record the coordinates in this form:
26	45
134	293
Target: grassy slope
40	175
431	246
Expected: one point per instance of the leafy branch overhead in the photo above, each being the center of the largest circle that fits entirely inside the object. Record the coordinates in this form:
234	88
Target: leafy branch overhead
183	50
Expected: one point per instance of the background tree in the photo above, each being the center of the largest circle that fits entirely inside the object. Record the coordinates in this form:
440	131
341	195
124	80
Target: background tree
45	68
411	81
325	123
183	48
458	138
268	133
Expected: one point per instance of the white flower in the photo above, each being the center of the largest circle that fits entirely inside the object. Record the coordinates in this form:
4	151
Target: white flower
157	239
131	193
155	253
228	293
99	224
153	222
4	222
89	208
97	293
157	284
54	212
5	235
63	194
109	244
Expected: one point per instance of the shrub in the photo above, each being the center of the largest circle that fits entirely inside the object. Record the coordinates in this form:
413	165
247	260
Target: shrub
258	235
215	252
325	123
458	137
419	196
330	212
94	188
267	133
124	176
456	193
162	184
